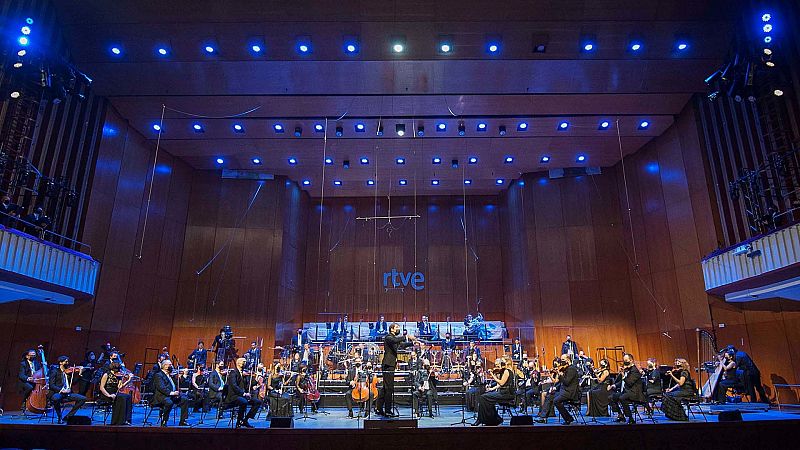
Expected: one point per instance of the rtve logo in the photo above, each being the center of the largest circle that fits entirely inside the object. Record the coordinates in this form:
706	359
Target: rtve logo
398	279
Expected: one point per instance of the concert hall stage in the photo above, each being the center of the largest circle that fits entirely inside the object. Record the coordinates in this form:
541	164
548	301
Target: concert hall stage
765	429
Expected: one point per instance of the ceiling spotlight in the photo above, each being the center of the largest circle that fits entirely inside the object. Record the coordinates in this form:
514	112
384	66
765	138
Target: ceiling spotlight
499	181
29	20
767	28
682	46
766	17
370	182
473	160
319	128
116	51
220	161
436	160
298	131
635	46
768	51
162	51
156	127
337	182
493	48
445	48
420	131
360	127
209	49
445	44
278	128
462	129
328	160
351	46
770	64
304	45
238	128
467	182
643	125
400	129
434	182
198	128
379	131
18	64
292	160
604	125
481	126
509	159
256	161
364	160
26	30
23	40
581	158
563	125
403	182
777	92
306	182
15	94
22	52
398	48
255	48
587	47
339	131
441	126
501	130
400	160
545	159
522	126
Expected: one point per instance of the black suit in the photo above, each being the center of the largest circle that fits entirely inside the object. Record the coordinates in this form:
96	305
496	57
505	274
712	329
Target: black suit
448	345
234	397
391	344
424	329
569	392
381	327
569	347
629	389
298	341
516	352
197	358
58	381
163	384
216	382
25	386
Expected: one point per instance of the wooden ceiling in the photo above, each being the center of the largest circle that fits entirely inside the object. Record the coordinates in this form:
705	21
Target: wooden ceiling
419	87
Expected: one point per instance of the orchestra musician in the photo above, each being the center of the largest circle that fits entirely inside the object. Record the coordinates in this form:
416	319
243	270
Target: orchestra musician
425	387
652	379
751	375
474	382
568	390
303	386
197	390
391	344
628	390
684	386
381	327
299	340
599	394
121	404
530	388
151	374
424	329
60	390
472	350
252	356
448	343
238	395
569	347
216	384
279	401
25	381
306	354
501	391
89	365
198	357
167	395
516	350
355	375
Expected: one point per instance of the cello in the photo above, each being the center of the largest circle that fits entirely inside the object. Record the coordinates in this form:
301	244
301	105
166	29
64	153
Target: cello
313	394
37	401
360	391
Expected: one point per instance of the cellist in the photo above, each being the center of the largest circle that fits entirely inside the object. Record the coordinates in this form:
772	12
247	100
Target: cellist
27	368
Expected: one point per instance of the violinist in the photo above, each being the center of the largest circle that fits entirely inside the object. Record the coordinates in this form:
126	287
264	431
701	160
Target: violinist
239	396
568	391
599	394
628	390
531	386
303	385
60	389
167	395
425	387
501	391
89	365
216	383
252	356
474	382
198	357
27	368
122	405
279	401
197	390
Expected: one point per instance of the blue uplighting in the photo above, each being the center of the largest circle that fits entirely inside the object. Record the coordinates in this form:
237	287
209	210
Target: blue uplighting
156	127
493	47
441	126
681	46
643	125
767	28
473	160
220	161
209	49
509	159
238	128
467	182
636	46
292	160
581	158
163	51
255	48
436	160
278	128
26	30
328	160
364	160
306	182
319	128
767	39
588	46
351	47
434	182
766	17
499	181
400	160
563	125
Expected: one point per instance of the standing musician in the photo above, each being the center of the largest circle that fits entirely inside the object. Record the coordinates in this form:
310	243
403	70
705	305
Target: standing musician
25	381
381	327
60	390
502	390
599	394
198	357
516	351
628	389
252	356
424	328
299	340
121	404
391	344
238	395
216	384
355	375
568	391
569	347
425	387
303	384
166	394
279	401
306	354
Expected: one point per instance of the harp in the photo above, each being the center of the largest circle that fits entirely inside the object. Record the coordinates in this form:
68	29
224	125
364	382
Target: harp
708	364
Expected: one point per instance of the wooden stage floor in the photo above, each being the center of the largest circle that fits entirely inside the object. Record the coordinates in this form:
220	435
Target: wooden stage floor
334	430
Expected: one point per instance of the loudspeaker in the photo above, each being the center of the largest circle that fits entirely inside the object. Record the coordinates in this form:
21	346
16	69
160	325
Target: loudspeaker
79	420
522	420
730	416
281	422
374	424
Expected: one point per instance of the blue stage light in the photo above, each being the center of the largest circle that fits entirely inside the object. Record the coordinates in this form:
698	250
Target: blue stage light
255	48
162	51
767	28
588	46
278	128
766	17
545	159
26	30
682	46
116	50
306	182
499	181
400	160
635	46
581	158
767	39
256	161
337	182
604	125
435	182
643	125
319	128
445	48
156	127
292	160
198	128
364	160
23	40
328	160
220	161
370	182
238	128
509	159
563	125
360	127
398	47
473	160
493	47
522	126
304	48
209	49
436	160
467	182
441	126
403	182
481	126
29	20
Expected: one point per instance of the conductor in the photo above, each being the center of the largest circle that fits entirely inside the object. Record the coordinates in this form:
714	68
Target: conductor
391	344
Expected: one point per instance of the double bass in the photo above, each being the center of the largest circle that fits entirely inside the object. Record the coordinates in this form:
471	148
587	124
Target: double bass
37	401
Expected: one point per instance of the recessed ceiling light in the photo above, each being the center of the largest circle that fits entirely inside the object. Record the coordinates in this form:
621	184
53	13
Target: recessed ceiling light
437	160
467	181
545	159
306	182
403	182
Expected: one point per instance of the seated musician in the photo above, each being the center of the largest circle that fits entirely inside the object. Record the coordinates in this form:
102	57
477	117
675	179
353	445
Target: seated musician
381	328
530	388
356	374
472	350
684	386
121	404
299	340
252	356
729	376
517	350
474	383
599	394
36	221
294	365
448	343
424	329
167	395
424	388
216	384
652	378
425	351
627	390
8	212
501	391
184	380
238	395
569	347
302	384
89	365
568	391
60	390
198	357
279	401
583	362
197	390
414	362
25	381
